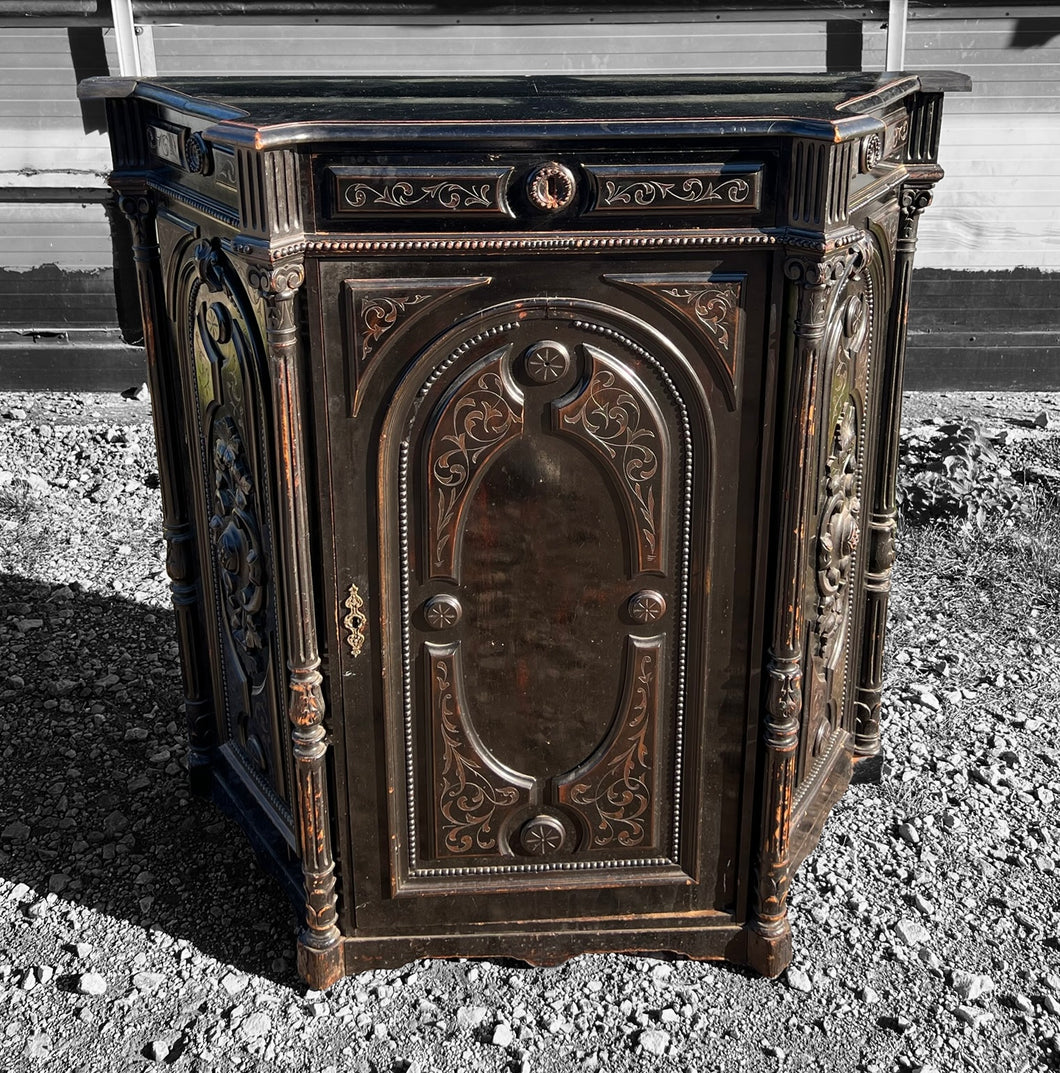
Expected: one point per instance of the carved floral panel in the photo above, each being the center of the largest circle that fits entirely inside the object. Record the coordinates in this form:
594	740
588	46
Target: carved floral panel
537	473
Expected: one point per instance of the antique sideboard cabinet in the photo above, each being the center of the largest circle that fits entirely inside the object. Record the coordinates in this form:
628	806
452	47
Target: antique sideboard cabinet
527	450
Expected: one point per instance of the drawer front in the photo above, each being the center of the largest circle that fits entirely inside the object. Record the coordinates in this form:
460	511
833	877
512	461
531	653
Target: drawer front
540	191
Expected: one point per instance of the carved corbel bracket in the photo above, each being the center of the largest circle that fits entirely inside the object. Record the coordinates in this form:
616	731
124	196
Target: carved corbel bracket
139	208
915	198
275	286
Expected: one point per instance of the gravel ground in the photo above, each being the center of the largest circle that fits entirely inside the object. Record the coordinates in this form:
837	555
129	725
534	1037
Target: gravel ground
137	932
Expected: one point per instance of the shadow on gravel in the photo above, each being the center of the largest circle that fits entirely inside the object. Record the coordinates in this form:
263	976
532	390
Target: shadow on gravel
93	784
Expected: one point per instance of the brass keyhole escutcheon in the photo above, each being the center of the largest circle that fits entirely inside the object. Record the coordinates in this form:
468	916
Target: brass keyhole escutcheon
551	187
354	621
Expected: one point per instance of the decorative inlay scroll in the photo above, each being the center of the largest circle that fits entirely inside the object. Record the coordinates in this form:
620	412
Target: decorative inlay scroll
237	542
386	191
355	621
379	310
616	417
474	796
711	304
484	412
676	187
614	789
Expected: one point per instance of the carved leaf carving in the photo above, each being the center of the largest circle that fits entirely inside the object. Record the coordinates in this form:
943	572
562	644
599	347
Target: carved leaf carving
615	791
472	798
620	423
483	415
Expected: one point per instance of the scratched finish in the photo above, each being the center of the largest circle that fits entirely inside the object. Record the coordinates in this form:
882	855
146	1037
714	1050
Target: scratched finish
622	551
544	640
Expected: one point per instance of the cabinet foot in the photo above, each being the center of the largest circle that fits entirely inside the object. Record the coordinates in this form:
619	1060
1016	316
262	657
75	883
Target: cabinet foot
868	770
320	966
769	954
200	773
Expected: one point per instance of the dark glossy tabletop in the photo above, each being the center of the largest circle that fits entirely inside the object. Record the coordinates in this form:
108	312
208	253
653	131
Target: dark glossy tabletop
327	108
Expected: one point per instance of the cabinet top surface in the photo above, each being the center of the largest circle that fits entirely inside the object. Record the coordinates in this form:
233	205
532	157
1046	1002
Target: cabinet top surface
274	111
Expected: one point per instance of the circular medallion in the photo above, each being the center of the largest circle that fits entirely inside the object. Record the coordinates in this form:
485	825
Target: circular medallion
646	606
855	322
542	836
872	151
197	154
546	362
442	612
219	323
551	187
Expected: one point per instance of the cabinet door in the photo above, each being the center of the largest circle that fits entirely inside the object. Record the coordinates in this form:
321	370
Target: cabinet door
533	709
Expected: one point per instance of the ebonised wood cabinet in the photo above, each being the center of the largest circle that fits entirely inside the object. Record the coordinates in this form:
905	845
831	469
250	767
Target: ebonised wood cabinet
528	455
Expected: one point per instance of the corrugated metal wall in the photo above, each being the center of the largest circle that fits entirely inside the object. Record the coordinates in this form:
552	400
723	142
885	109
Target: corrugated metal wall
999	207
571	48
997	211
44	147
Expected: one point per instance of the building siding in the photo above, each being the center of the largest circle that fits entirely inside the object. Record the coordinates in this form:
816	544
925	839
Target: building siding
989	247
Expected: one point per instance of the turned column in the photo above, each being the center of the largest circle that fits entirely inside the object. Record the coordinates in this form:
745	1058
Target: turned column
883	525
812	284
319	945
163	379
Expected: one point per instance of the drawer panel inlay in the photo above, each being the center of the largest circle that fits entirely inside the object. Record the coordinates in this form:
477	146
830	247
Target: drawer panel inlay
438	191
676	187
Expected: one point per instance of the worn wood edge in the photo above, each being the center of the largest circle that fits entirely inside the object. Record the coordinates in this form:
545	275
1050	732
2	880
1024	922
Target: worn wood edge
232	798
550	943
818	796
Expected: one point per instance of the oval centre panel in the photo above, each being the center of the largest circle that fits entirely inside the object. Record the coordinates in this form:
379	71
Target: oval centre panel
545	583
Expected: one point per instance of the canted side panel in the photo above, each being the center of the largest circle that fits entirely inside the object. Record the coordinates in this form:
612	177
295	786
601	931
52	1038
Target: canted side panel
850	342
222	353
